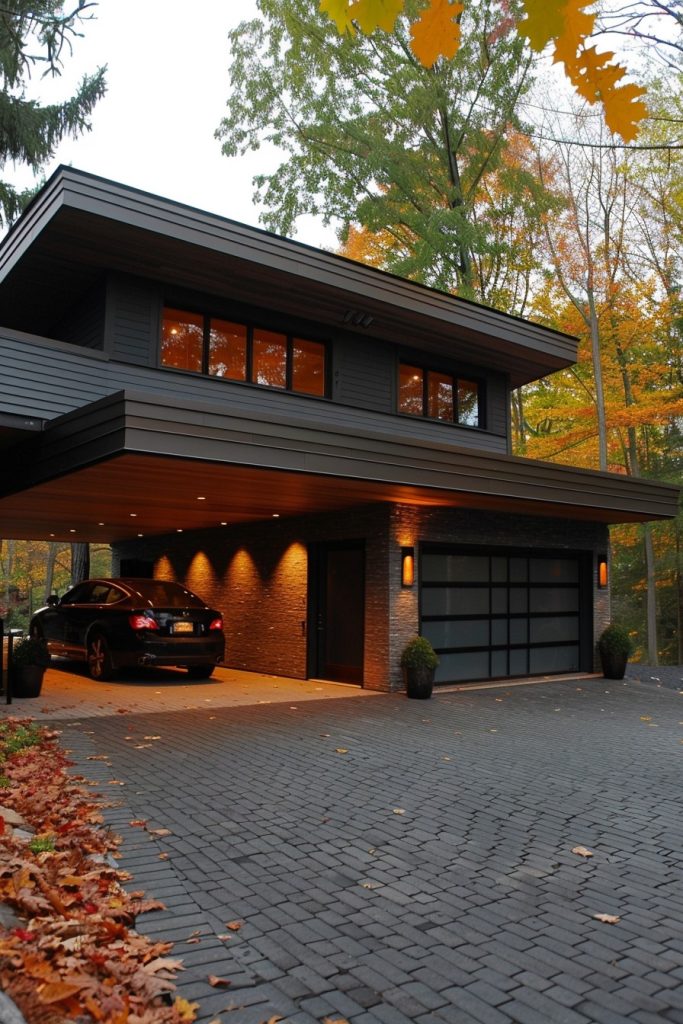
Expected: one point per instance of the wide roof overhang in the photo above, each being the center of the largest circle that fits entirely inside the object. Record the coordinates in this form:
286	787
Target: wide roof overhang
131	464
81	227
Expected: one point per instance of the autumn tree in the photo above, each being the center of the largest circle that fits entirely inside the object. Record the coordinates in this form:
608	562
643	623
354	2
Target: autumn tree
618	408
372	138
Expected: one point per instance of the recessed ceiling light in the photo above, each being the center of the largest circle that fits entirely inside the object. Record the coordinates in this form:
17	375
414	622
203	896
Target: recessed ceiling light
100	524
52	534
201	498
223	523
276	515
133	515
141	535
179	530
72	531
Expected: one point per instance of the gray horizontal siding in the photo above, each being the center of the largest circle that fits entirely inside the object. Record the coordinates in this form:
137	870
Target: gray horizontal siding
132	321
363	372
45	379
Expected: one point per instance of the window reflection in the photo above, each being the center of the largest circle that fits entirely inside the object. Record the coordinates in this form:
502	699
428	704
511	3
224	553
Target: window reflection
468	403
223	348
411	390
308	367
269	354
228	350
441	391
440	396
182	340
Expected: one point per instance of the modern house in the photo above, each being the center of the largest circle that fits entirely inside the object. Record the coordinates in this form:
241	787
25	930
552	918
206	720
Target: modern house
320	449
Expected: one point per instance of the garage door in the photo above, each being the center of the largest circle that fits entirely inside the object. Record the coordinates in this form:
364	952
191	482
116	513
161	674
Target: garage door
498	612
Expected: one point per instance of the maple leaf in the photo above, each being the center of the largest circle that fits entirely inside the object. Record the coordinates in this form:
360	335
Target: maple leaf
372	14
436	33
185	1010
543	22
339	12
623	110
582	851
234	926
607	918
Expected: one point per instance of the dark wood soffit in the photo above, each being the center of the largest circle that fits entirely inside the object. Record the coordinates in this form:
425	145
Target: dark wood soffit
163	494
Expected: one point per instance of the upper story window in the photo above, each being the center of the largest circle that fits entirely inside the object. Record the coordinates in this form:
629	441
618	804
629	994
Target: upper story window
242	352
439	396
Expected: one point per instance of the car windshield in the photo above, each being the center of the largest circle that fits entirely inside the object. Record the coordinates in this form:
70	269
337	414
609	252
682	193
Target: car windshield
162	594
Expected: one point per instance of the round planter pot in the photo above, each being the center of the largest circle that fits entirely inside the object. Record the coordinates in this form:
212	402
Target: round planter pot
419	682
27	681
613	665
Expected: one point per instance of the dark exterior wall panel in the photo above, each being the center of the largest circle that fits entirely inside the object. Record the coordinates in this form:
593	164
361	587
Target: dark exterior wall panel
132	321
84	325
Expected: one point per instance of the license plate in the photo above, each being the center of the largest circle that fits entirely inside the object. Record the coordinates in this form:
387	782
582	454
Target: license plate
183	627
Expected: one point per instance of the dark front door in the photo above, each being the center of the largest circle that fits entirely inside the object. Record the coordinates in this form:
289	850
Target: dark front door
338	611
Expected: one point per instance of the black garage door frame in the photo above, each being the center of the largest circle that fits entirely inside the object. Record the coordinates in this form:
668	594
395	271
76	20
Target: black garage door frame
501	635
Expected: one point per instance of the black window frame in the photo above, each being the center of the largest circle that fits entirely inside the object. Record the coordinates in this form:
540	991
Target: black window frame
251	327
457	376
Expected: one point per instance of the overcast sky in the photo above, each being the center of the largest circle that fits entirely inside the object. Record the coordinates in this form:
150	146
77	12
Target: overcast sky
167	91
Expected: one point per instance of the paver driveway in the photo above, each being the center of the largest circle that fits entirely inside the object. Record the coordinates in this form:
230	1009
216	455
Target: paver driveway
398	860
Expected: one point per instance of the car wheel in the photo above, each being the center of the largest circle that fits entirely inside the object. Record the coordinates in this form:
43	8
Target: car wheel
200	671
99	659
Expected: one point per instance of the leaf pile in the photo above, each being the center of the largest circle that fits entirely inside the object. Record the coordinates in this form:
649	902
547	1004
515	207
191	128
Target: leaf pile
71	952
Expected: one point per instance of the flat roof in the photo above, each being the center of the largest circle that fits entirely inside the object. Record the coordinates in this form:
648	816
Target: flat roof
80	226
135	462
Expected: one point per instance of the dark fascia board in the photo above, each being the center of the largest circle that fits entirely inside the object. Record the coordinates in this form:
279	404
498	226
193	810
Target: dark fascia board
130	422
546	349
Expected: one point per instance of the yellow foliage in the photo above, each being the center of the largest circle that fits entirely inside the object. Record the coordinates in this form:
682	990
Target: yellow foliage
562	25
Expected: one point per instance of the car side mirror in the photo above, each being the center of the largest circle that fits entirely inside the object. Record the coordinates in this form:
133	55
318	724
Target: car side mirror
52	600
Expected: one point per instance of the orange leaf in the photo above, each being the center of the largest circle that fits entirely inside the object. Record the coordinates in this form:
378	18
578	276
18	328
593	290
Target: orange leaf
436	33
55	991
217	982
607	918
234	926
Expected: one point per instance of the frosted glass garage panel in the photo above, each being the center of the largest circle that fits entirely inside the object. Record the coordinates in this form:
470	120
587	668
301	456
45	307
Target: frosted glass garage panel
455	568
551	629
553	570
554	599
462	667
455	601
548	660
472	633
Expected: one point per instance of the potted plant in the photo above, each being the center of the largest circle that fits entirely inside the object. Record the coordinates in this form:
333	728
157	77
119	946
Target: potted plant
30	658
418	662
615	647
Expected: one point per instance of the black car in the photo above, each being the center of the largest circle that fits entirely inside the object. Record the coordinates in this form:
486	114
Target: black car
119	623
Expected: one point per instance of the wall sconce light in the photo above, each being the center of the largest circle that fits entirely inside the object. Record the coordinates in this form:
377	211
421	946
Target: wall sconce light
603	572
407	567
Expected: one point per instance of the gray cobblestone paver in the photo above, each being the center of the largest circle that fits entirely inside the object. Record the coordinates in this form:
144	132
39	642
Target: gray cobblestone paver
425	874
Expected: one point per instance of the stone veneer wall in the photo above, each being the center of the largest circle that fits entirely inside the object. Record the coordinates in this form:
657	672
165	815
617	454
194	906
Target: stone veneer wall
257	575
411	524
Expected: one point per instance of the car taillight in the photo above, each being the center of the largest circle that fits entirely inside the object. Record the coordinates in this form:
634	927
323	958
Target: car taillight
216	624
142	622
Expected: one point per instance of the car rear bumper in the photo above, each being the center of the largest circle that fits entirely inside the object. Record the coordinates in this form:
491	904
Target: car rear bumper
179	651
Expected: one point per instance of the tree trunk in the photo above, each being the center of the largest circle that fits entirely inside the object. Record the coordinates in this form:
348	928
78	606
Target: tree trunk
80	563
50	568
597	376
